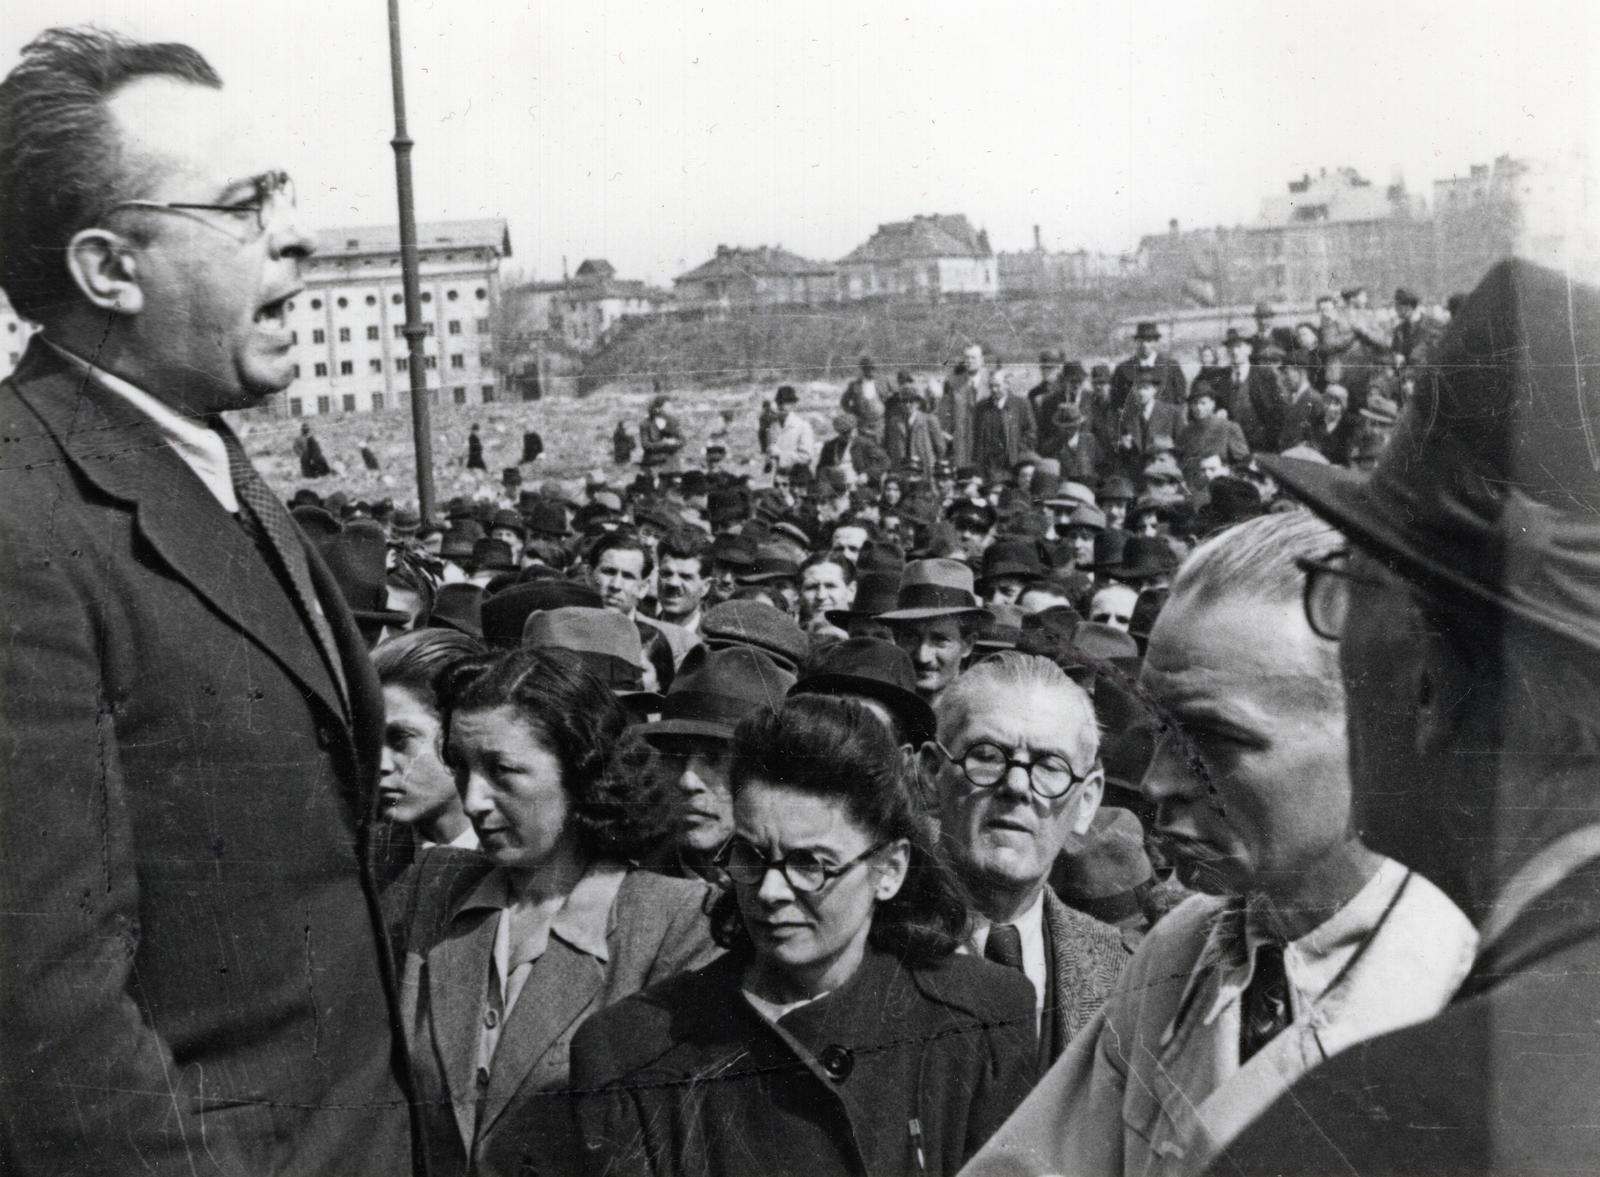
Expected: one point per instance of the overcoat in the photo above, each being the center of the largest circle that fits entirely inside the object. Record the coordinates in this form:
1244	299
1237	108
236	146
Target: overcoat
192	968
657	927
900	1070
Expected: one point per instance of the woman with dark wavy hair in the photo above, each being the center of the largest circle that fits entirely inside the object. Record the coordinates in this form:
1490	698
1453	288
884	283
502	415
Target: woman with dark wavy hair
841	1033
508	950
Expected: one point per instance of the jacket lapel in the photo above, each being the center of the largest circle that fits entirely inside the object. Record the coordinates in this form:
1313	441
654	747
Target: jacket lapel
458	984
120	451
561	988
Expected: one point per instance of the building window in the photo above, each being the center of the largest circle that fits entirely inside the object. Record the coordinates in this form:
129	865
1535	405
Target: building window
458	361
319	336
427	296
375	366
396	299
430	361
483	326
460	395
377	401
454	326
402	364
291	304
349	402
399	330
372	300
488	394
347	367
451	295
343	302
297	371
485	359
323	405
428	327
321	369
294	338
344	335
373	333
295	406
480	293
316	304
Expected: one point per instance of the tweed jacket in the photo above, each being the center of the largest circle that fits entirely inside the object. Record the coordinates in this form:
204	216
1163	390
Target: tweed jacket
1154	1085
657	927
898	1071
1087	957
192	970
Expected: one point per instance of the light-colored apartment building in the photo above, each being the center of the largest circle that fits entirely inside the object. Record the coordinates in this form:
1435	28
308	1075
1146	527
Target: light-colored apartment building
350	354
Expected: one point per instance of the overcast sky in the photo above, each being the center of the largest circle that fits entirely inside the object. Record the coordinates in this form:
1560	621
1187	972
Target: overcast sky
648	132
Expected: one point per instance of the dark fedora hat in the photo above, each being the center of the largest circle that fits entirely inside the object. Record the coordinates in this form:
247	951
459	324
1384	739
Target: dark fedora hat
460	538
1490	483
1147	331
546	519
506	612
938	587
458	606
1019	558
356	554
1002	629
1116	487
716	691
1108	548
758	625
876	669
492	555
876	594
1144	556
1098	872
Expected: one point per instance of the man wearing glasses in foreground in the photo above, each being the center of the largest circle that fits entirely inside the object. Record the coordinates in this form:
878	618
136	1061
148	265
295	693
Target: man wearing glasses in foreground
192	975
1302	940
1470	621
1016	773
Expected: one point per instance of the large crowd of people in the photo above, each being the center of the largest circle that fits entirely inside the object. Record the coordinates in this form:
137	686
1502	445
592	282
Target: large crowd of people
1138	774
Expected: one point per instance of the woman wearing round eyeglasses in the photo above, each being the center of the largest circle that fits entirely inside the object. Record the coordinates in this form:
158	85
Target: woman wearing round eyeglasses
840	1034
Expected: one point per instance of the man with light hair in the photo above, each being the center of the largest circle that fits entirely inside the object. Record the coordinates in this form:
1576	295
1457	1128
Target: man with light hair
1301	942
1015	771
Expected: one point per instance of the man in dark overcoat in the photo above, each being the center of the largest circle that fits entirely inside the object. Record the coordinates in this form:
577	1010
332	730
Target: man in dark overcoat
193	979
1469	626
1149	360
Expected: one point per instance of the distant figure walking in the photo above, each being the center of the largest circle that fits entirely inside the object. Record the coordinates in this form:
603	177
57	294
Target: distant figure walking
532	446
368	457
475	450
622	444
312	462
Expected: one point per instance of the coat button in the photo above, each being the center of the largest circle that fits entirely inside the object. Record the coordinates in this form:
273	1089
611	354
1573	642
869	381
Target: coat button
491	1018
324	737
838	1062
483	1076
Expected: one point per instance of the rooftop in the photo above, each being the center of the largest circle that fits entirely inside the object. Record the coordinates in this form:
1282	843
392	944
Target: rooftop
938	235
770	261
362	240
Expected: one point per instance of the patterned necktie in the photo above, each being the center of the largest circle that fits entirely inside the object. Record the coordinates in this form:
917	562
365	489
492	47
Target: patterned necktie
269	525
1264	1009
1004	946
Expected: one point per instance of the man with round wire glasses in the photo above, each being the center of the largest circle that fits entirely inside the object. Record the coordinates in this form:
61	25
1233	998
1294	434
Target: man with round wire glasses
1014	773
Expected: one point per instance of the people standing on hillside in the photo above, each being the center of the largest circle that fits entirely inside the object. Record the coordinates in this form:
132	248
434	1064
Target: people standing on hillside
897	412
1171	384
369	457
1003	428
660	438
792	442
475	450
313	463
955	410
864	401
622	444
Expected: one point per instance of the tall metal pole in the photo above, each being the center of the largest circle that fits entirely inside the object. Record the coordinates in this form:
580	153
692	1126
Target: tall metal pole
415	332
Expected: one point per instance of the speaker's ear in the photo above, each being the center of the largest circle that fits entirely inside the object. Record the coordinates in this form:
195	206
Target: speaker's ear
106	270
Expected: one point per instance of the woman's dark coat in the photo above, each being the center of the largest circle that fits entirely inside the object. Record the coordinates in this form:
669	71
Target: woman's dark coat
898	1071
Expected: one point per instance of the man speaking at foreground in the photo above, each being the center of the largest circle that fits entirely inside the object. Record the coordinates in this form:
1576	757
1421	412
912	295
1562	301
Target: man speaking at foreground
192	977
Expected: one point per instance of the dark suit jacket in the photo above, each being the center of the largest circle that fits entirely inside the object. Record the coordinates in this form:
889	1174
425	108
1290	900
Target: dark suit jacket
1000	433
192	971
658	927
688	1079
1174	384
1505	1080
1165	421
1255	405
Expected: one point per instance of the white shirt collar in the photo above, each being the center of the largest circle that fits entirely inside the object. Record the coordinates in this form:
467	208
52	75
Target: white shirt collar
199	445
